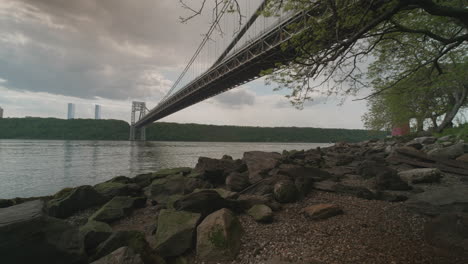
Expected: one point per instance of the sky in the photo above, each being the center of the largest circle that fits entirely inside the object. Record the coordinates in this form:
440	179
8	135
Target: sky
113	52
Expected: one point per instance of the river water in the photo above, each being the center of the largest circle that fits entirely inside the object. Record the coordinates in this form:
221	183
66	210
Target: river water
43	167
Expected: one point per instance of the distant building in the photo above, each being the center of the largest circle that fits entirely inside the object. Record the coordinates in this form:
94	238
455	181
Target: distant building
1	112
97	112
71	111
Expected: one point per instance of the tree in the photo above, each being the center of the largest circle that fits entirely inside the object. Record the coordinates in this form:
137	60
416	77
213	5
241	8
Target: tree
340	36
425	95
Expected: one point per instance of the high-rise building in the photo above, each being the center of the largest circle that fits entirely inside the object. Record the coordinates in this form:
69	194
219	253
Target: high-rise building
71	111
1	112
97	112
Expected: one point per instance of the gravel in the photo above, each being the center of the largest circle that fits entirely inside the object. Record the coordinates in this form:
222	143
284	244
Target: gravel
369	231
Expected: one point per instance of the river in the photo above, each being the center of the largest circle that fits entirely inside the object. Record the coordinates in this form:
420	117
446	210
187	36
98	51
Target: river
43	167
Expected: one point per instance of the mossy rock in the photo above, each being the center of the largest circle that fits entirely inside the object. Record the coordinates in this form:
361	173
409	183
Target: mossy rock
143	180
112	189
196	175
6	203
172	199
121	179
132	239
161	189
71	201
261	213
222	192
117	208
62	193
218	236
166	172
28	235
93	233
285	192
175	233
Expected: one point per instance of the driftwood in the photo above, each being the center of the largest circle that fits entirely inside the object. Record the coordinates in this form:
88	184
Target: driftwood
420	159
422	164
424	156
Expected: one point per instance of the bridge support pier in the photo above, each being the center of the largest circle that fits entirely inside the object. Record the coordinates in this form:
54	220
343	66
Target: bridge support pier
134	131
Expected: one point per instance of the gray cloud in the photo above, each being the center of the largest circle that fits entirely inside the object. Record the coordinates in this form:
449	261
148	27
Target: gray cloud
114	49
236	98
285	103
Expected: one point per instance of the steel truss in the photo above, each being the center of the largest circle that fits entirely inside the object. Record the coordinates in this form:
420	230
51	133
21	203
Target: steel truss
241	67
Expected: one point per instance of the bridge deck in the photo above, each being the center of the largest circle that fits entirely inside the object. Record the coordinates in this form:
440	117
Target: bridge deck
239	68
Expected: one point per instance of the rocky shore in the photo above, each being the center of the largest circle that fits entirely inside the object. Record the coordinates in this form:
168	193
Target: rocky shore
380	201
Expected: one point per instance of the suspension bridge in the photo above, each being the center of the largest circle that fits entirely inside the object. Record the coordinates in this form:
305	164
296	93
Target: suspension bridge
231	54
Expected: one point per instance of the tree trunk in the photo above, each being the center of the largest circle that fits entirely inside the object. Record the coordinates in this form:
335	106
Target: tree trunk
434	121
419	124
451	113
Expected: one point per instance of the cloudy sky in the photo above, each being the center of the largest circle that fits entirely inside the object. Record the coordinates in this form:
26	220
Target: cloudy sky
111	52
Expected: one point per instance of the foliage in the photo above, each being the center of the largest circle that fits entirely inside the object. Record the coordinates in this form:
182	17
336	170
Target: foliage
53	128
87	129
194	132
407	83
341	35
461	132
427	94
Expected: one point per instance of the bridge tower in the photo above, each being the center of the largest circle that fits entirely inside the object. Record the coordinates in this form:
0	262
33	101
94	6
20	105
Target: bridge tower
140	108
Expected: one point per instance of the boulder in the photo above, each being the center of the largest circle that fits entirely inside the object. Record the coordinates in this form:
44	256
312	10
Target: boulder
6	203
451	152
117	208
111	189
249	200
205	202
161	189
389	180
175	233
227	157
424	175
446	138
463	157
321	211
28	235
424	140
343	159
222	192
134	240
448	231
174	171
326	186
261	213
143	180
414	144
93	233
78	199
260	163
216	170
285	191
439	200
237	182
123	255
191	184
370	169
309	173
219	236
121	179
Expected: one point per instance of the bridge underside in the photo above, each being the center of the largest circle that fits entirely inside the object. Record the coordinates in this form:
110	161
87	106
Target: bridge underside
242	67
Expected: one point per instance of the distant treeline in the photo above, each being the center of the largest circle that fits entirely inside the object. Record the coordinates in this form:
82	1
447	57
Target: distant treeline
89	129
